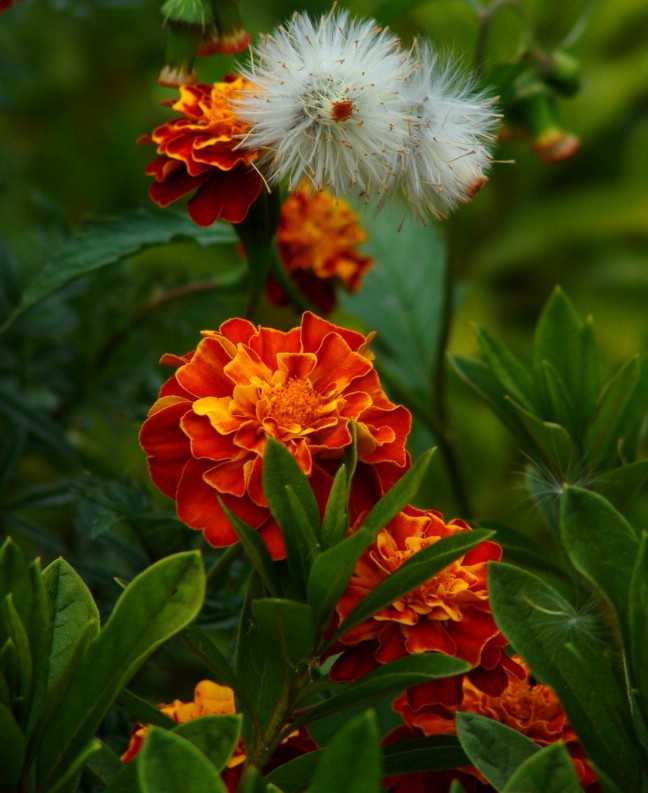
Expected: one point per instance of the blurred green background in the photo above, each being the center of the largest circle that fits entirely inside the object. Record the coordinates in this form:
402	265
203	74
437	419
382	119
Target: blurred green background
79	85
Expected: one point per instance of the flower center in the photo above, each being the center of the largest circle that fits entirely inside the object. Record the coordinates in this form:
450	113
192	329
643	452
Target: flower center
295	402
342	110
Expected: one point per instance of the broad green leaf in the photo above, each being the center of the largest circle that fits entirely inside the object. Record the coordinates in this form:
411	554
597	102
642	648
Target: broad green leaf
550	770
514	377
216	736
619	485
156	604
388	679
408	285
125	780
256	551
12	755
420	567
566	649
210	655
351	762
423	754
293	505
601	544
493	748
142	711
638	618
294	776
168	763
104	241
603	434
287	627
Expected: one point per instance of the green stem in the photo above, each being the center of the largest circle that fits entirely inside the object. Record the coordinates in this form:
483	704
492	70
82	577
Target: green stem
485	19
295	295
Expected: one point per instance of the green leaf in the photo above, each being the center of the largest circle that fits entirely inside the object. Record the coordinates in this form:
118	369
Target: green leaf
104	241
12	755
423	754
285	627
156	604
566	649
514	377
638	619
104	764
387	679
142	711
69	779
336	519
256	550
550	441
351	762
550	770
216	736
294	776
210	655
561	406
603	434
601	545
294	507
125	780
619	485
13	628
167	763
420	567
493	748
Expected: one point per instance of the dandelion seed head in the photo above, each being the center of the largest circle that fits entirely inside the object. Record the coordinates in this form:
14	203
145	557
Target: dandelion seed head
328	106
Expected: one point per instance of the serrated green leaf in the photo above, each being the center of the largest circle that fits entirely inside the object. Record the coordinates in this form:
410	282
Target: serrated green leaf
493	748
256	550
566	649
167	762
603	434
601	545
210	655
216	736
156	604
104	241
420	567
285	627
387	679
351	763
12	755
550	770
514	377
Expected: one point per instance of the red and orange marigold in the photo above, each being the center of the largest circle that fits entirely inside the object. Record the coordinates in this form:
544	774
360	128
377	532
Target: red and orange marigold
317	238
198	152
449	613
211	699
206	434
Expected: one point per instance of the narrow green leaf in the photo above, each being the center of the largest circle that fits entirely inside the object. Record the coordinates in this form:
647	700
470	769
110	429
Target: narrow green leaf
256	550
104	764
514	377
156	604
294	776
12	755
603	434
601	545
5	694
619	485
400	494
336	521
69	779
423	754
634	414
104	241
17	634
550	441
216	736
387	679
550	770
561	408
493	748
420	567
167	762
351	763
638	619
287	627
210	655
566	649
142	711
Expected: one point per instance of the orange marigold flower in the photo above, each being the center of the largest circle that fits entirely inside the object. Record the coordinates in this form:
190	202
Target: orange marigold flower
206	434
524	705
211	699
449	613
198	152
317	237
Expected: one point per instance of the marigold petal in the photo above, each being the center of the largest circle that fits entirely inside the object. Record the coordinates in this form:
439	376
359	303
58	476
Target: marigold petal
203	376
167	447
207	438
227	195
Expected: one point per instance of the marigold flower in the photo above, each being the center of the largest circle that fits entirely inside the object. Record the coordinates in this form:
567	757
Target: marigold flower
326	104
206	434
524	705
317	238
450	148
198	152
449	613
211	699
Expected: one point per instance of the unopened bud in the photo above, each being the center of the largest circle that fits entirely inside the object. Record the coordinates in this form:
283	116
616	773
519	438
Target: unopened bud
186	22
563	73
555	145
227	36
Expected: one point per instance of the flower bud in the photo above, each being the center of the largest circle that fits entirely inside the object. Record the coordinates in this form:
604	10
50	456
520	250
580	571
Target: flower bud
228	35
563	73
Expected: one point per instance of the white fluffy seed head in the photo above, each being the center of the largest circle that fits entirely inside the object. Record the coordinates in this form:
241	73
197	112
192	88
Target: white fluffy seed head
449	151
329	104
